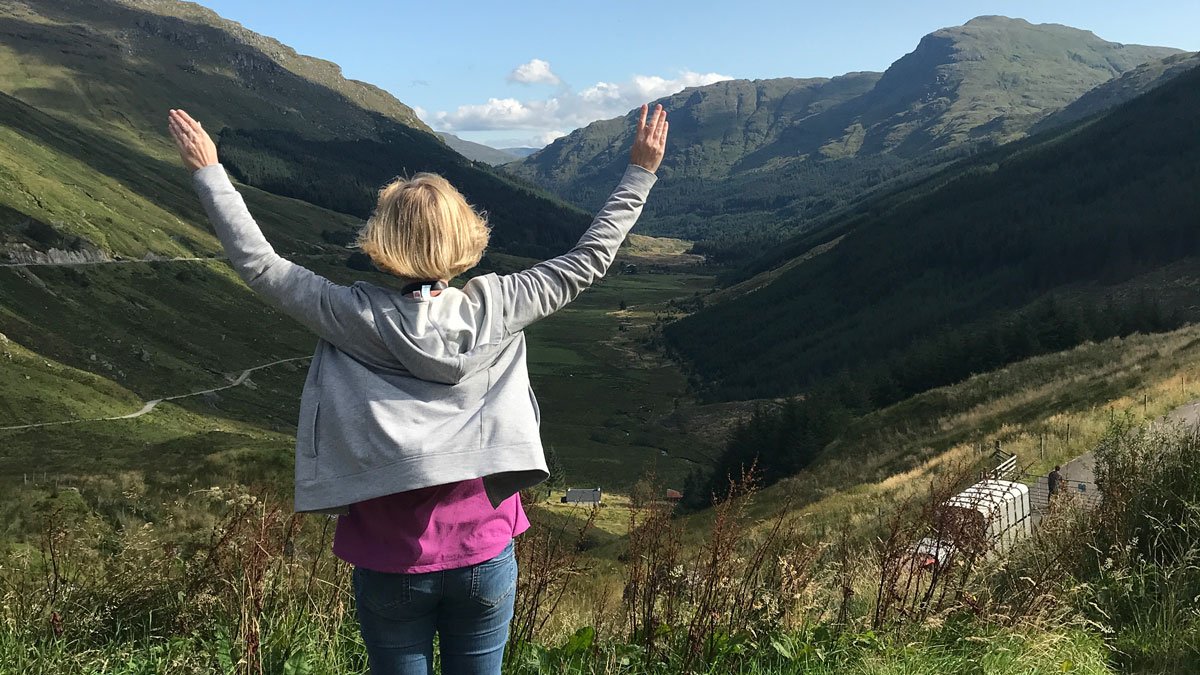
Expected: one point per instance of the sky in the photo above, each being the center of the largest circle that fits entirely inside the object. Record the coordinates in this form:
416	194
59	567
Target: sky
522	73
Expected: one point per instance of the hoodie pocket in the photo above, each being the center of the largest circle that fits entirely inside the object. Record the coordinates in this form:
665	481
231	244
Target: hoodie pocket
306	431
537	410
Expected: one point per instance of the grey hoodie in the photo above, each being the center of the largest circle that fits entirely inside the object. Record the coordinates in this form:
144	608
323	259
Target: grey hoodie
408	392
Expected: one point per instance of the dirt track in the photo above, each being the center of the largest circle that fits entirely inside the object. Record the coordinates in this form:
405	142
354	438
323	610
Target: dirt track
150	405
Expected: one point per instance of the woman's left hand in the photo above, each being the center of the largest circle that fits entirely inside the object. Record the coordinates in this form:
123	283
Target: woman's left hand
196	149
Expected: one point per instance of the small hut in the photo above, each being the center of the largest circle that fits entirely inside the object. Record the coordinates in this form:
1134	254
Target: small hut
582	496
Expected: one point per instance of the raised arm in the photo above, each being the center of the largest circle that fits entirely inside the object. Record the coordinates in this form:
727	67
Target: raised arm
338	314
547	287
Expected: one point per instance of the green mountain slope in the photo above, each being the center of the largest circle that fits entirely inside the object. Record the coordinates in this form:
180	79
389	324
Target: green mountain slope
87	174
97	77
1034	246
775	154
1118	90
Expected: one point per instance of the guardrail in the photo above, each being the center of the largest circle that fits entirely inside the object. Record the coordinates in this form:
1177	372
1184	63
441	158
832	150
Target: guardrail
1084	492
1006	469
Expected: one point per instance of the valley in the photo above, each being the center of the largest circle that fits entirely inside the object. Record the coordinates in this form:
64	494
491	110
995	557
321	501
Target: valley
604	396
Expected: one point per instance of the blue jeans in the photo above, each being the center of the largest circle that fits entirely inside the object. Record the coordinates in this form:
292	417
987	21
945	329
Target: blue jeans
469	608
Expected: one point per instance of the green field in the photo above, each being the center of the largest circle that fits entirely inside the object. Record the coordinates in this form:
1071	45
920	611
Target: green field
109	337
602	396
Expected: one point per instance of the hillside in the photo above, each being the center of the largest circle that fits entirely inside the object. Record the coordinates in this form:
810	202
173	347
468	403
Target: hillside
773	155
478	152
87	176
96	79
1118	90
520	152
1032	247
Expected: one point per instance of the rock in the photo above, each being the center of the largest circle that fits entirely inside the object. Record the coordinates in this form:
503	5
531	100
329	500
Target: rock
56	256
33	279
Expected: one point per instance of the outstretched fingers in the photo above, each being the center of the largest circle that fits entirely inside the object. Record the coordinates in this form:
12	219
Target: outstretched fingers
655	119
641	127
177	132
188	121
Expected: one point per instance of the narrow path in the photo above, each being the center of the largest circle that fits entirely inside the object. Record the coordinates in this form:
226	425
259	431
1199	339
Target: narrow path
150	261
84	263
150	405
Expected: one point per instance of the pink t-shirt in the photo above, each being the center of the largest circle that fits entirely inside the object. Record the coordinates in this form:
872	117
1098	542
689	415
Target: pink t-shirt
428	530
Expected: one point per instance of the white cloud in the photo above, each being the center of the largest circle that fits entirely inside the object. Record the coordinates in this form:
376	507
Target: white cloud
650	87
567	109
498	113
536	71
544	138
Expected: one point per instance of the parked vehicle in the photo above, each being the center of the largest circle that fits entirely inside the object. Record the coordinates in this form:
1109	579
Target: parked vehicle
984	520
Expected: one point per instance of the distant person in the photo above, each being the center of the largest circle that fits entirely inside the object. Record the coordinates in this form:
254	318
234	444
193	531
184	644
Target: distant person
417	422
1054	480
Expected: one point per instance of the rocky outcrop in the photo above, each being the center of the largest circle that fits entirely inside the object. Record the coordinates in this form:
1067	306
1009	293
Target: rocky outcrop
25	255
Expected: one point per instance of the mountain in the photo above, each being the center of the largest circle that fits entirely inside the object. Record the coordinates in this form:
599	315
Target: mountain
520	152
88	84
1118	90
478	152
769	155
1078	234
88	176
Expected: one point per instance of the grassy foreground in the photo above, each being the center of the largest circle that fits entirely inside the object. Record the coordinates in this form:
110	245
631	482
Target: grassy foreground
113	575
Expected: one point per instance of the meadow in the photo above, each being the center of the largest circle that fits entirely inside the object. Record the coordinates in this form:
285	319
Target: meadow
790	576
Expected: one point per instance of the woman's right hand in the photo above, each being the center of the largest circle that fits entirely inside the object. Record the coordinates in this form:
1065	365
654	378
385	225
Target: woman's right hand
195	147
651	141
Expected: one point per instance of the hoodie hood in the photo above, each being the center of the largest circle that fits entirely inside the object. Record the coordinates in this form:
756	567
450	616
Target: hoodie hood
439	338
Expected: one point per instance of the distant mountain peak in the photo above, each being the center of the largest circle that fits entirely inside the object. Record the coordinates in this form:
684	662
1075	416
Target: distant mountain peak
477	152
994	19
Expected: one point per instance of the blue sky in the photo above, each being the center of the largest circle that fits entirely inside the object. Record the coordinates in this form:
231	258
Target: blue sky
519	73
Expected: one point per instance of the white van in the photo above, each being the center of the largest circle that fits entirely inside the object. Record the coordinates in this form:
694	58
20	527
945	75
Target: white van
988	517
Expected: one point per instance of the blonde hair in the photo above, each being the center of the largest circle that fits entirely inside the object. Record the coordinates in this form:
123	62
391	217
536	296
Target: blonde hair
423	228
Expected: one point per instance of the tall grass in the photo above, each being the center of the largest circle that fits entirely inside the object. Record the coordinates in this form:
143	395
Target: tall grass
231	581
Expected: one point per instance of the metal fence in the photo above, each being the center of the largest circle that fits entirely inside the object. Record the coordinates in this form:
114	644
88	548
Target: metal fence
1084	492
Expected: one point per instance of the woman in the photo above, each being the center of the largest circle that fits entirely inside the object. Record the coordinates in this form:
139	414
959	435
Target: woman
417	422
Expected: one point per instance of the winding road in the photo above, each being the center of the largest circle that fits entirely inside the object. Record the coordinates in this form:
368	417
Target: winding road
148	261
150	405
83	263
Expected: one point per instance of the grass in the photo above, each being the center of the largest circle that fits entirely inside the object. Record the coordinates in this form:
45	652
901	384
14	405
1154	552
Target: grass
600	401
890	456
924	435
1026	406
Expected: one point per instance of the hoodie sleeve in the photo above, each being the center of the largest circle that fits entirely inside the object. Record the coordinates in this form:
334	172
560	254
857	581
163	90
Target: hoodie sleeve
548	286
339	314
